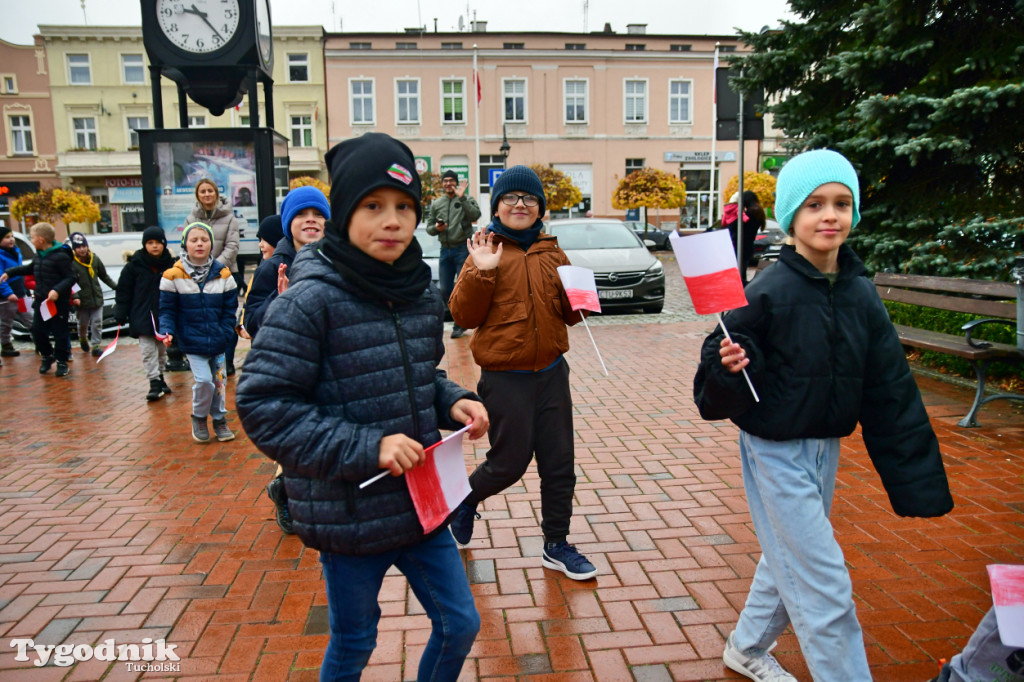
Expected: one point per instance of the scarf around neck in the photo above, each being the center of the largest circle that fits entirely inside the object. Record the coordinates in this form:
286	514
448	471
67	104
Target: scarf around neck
404	281
87	265
199	272
156	263
525	238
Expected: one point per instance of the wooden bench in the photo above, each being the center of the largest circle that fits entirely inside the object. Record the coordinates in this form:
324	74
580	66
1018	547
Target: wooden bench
996	302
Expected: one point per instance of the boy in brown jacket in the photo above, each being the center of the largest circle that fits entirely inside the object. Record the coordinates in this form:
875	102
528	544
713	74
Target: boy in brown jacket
510	292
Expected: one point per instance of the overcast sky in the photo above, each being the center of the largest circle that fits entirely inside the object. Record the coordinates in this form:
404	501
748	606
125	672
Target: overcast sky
19	18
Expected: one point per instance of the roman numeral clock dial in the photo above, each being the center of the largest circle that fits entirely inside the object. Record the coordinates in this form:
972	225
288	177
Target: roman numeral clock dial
198	26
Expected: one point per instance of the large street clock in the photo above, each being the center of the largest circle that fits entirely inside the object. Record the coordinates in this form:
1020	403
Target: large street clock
209	46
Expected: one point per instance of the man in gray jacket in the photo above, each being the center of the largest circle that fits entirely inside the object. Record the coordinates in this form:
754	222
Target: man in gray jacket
450	218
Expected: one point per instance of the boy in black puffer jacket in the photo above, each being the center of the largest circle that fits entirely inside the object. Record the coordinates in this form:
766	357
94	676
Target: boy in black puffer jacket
137	304
343	381
54	279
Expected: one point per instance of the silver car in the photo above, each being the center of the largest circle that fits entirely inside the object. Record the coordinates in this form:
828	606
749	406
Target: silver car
626	274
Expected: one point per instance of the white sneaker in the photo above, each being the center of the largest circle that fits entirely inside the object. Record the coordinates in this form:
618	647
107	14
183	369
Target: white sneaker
763	668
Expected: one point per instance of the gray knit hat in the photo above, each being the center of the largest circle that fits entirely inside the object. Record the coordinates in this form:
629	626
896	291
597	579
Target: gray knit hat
805	173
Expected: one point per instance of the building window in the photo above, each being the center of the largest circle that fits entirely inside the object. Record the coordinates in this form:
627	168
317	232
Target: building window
298	68
679	101
728	48
635	47
407	101
78	69
634	165
575	46
405	46
635	101
453	101
514	46
680	47
359	46
133	71
451	46
9	86
489	162
21	135
243	120
85	133
135	123
302	131
515	101
197	121
362	101
575	101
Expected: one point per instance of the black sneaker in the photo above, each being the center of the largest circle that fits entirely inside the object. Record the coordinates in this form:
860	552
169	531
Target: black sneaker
230	370
462	523
84	345
97	351
163	386
62	369
8	351
46	364
458	332
277	495
561	556
155	390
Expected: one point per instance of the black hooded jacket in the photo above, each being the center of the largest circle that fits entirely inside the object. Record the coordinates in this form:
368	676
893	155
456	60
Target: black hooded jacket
263	287
137	299
823	357
52	272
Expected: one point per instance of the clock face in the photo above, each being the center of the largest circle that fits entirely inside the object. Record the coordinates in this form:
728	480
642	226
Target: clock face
263	37
198	26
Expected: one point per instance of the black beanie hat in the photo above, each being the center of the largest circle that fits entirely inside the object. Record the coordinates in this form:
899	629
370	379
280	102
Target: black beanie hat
365	163
270	230
4	231
518	179
450	174
154	233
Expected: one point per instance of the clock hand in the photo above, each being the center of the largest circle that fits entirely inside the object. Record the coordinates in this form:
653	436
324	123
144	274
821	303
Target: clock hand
203	16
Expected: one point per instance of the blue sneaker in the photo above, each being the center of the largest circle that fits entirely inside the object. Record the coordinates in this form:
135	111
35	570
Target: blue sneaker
561	556
462	523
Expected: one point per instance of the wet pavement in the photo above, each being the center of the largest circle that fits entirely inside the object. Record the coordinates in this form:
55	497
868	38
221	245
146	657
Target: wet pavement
115	525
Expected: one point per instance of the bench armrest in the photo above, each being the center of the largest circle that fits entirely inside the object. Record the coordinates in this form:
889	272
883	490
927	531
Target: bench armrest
968	330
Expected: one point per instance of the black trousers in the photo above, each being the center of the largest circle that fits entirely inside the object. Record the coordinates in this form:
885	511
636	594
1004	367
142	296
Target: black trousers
531	414
58	327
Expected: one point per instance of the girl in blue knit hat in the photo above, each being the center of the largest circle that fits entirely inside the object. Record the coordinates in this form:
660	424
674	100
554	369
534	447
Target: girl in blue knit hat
510	292
823	356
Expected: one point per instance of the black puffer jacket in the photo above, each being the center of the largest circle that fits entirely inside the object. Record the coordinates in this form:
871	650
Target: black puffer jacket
823	357
137	297
263	287
52	270
328	376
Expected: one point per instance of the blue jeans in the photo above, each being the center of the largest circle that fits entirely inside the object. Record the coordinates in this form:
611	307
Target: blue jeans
435	573
802	576
448	268
208	389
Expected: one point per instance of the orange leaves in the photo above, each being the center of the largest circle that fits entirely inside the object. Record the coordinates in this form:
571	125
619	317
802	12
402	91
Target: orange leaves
651	188
68	205
559	190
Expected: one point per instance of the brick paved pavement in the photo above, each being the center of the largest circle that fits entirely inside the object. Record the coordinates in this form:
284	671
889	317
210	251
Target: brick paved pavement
113	524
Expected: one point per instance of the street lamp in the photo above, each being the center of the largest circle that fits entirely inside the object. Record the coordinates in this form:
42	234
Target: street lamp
504	148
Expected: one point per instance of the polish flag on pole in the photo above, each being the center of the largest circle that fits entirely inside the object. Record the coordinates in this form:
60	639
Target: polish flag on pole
581	289
709	269
24	304
156	332
48	309
75	288
1008	597
439	484
110	348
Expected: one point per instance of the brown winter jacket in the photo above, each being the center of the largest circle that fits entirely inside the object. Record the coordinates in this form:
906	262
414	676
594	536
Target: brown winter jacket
519	309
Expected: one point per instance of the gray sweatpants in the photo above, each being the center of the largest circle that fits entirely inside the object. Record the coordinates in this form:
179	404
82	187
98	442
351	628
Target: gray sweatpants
154	356
8	313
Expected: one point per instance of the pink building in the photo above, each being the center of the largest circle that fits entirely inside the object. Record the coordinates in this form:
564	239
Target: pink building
28	149
596	106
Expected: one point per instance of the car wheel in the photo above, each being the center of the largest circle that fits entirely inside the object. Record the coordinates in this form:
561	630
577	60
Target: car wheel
654	307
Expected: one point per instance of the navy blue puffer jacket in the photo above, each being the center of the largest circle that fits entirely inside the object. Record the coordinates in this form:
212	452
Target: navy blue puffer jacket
202	320
331	373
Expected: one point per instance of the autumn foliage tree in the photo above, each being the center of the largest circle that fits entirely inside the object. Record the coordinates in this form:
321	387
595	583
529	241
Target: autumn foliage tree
430	184
761	184
51	205
310	181
649	188
559	191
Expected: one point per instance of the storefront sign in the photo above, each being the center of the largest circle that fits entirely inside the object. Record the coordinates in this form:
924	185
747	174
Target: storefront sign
123	182
698	157
125	195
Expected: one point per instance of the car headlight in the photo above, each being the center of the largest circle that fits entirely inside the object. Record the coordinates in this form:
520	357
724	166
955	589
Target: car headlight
655	271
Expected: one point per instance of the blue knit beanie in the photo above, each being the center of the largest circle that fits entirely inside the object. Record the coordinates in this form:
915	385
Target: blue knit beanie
299	199
805	173
518	179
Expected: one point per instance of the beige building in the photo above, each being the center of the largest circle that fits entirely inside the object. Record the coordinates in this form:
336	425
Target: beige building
596	106
101	94
28	154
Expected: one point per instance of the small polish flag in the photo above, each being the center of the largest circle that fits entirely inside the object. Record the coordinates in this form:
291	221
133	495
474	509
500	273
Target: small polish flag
1008	598
708	264
580	287
48	309
156	332
439	484
111	348
75	288
24	304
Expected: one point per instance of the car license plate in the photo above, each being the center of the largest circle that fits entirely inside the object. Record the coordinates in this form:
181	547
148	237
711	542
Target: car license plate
615	293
